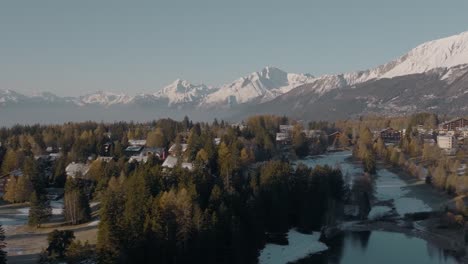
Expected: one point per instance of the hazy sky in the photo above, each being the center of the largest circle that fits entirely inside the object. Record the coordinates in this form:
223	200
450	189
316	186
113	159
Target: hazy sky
74	47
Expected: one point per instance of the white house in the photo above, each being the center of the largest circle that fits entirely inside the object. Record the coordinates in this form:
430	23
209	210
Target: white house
173	148
446	142
76	169
137	142
171	162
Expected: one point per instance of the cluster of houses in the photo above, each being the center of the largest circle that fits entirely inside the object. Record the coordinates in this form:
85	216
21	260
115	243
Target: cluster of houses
138	152
50	156
284	136
452	135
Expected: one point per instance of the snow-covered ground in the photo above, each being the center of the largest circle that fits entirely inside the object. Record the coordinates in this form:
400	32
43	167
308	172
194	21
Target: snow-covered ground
300	246
93	223
57	208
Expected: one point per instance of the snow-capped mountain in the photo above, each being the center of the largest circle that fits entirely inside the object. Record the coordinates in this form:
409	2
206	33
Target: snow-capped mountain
104	98
431	77
181	91
445	53
8	96
260	86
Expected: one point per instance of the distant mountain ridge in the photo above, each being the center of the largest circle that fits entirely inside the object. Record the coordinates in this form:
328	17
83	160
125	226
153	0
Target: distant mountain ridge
441	64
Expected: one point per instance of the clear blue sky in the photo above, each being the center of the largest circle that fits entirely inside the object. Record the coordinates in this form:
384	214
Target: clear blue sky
73	47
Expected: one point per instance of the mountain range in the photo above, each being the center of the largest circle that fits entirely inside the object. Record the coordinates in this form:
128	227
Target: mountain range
431	77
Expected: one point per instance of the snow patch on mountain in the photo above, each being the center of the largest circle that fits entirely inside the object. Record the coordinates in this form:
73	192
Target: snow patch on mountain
181	91
104	98
264	85
8	96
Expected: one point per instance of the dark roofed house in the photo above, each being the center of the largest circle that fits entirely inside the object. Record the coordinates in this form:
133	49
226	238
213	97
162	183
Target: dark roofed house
157	152
454	124
133	150
390	135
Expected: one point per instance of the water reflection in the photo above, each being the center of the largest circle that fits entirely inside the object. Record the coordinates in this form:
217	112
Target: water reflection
379	247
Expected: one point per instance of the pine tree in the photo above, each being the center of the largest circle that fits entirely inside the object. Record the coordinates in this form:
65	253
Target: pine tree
59	241
39	210
3	254
110	231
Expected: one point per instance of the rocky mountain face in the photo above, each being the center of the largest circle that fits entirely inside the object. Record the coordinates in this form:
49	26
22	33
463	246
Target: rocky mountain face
431	77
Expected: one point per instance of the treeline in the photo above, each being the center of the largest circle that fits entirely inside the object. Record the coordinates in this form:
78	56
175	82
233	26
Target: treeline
197	217
240	188
377	122
411	153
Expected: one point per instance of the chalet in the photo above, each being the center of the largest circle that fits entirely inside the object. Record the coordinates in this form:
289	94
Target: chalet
160	153
286	128
390	135
104	159
463	132
133	150
139	159
333	137
283	138
143	155
310	133
137	142
77	170
454	124
172	149
171	162
240	126
55	156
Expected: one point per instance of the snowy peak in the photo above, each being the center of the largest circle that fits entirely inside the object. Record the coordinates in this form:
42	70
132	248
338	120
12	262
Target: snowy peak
8	96
104	98
264	85
181	91
447	55
442	53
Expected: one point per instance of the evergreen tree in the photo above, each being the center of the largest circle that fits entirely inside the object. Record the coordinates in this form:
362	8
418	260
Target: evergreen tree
110	231
3	254
39	210
59	241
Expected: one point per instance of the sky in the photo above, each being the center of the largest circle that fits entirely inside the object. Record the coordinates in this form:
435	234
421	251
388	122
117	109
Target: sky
76	47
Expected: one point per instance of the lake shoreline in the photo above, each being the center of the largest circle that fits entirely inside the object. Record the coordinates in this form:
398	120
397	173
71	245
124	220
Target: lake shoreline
449	240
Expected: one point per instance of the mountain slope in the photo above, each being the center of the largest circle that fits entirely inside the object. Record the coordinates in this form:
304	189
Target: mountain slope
260	86
181	91
393	96
431	77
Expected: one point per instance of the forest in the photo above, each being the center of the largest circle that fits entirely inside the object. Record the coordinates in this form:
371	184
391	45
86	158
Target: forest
242	186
